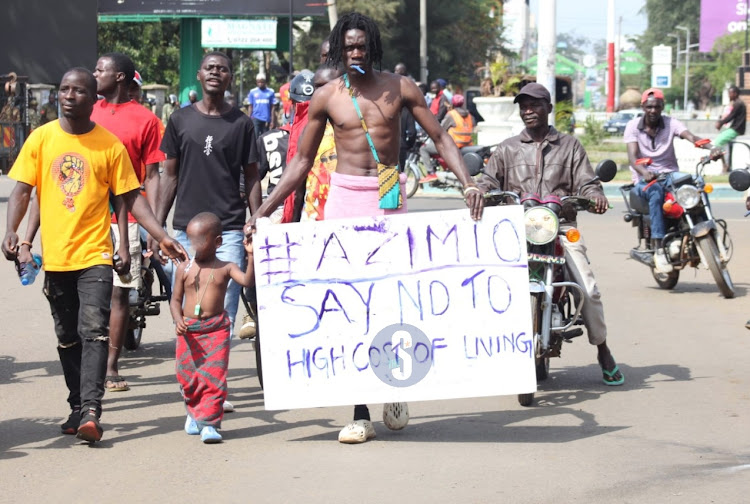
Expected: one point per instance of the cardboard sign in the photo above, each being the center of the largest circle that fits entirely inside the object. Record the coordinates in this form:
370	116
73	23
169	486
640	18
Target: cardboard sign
402	308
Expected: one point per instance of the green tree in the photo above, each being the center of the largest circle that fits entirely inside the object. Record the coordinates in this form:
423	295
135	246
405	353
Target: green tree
663	18
460	34
154	47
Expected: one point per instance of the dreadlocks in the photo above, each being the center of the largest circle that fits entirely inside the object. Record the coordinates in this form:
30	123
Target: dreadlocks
355	21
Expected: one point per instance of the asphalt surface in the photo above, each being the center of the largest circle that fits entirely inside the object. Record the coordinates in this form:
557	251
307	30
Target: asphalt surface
676	432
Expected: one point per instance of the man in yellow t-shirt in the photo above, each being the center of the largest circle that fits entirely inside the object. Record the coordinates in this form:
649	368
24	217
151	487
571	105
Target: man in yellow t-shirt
74	164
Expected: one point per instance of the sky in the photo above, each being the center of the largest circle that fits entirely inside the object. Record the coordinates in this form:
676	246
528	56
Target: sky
588	18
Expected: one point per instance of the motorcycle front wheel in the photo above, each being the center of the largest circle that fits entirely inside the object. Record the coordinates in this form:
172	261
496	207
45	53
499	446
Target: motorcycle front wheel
666	280
541	363
412	178
719	271
133	338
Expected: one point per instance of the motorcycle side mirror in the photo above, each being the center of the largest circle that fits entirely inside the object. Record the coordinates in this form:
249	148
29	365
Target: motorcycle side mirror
474	163
739	179
606	170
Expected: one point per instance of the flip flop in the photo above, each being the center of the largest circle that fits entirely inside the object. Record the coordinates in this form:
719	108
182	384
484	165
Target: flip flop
116	384
614	377
611	377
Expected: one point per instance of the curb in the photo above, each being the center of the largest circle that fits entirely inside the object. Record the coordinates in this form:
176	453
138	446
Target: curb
722	192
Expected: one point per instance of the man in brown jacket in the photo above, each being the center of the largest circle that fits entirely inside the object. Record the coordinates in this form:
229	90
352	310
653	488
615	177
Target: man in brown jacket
545	162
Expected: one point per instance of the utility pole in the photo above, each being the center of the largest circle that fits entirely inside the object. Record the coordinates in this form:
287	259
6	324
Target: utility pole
291	37
423	41
333	13
618	63
546	48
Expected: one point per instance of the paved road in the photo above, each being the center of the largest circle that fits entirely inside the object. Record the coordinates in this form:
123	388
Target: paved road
676	432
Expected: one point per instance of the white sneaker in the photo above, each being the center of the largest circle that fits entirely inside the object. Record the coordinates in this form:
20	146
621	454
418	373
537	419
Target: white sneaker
357	432
247	331
396	415
228	407
661	263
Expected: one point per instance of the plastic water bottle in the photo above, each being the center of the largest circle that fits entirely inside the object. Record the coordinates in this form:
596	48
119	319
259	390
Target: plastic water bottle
27	272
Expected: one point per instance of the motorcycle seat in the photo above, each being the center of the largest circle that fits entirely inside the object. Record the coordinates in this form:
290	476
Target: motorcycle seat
472	148
637	201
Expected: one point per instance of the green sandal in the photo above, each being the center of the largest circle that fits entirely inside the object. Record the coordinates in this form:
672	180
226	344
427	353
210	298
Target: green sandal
614	377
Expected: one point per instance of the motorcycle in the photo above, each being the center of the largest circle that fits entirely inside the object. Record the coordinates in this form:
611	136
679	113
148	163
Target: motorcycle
143	302
693	235
474	156
556	302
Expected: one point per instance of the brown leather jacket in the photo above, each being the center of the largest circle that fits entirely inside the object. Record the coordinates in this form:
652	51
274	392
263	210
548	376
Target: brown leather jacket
558	165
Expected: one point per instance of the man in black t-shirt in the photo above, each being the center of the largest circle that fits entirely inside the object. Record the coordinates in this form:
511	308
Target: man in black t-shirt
272	147
209	144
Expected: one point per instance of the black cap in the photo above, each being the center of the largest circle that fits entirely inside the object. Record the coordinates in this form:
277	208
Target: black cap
535	90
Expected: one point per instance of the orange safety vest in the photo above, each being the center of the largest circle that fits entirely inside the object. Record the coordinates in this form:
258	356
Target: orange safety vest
461	132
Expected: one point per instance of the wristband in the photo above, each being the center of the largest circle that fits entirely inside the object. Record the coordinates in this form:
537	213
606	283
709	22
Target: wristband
25	243
472	188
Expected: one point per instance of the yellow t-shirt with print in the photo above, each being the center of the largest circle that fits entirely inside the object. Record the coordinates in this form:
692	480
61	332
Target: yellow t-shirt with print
73	176
319	179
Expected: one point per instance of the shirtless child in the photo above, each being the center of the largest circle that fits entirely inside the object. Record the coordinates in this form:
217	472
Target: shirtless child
203	325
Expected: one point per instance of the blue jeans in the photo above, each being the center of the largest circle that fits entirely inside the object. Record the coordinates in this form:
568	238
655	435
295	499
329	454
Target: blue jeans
655	197
80	305
231	250
260	126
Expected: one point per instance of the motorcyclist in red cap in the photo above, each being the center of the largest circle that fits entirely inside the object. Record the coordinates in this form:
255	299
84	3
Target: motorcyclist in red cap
650	136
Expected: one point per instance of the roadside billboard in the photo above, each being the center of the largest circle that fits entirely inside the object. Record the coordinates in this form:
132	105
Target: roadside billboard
719	18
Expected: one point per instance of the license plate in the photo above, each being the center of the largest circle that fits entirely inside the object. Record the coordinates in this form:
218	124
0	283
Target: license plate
548	259
612	130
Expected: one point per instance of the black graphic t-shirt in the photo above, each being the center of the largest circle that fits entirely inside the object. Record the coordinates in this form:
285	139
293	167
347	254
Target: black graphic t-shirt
212	152
272	147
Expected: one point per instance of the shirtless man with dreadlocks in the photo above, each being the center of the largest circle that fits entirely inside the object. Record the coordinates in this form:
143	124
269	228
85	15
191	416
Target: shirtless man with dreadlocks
355	44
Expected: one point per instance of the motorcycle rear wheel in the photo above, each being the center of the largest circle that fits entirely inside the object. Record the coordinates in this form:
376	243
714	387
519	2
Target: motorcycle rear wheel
719	271
666	280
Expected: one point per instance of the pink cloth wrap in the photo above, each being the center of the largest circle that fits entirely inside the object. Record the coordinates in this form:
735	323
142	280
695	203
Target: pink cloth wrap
357	196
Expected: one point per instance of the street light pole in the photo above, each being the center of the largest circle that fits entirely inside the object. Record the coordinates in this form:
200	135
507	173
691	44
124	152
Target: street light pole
677	54
687	64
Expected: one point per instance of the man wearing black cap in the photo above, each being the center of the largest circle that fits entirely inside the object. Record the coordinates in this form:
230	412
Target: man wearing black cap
545	162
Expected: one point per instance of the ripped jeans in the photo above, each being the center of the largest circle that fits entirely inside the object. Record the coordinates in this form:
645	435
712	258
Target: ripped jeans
80	305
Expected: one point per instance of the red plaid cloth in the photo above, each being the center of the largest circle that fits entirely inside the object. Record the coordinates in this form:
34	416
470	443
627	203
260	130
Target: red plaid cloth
202	362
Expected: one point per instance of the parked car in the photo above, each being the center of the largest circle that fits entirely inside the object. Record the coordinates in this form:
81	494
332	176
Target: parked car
616	124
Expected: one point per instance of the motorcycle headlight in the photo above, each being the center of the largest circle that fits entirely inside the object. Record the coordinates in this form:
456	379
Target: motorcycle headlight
688	196
541	225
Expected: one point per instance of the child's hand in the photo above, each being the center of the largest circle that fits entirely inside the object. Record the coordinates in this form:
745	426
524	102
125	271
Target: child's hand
248	242
180	326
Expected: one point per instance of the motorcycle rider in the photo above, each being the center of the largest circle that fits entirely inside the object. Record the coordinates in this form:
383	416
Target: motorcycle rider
544	161
736	119
459	124
650	136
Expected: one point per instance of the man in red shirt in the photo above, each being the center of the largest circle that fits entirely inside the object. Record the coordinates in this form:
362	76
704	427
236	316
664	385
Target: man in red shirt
140	131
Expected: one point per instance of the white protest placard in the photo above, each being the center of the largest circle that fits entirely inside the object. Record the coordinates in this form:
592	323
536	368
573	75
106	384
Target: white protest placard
400	308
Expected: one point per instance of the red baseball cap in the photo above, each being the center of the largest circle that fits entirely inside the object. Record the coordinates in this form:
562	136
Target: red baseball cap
656	93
